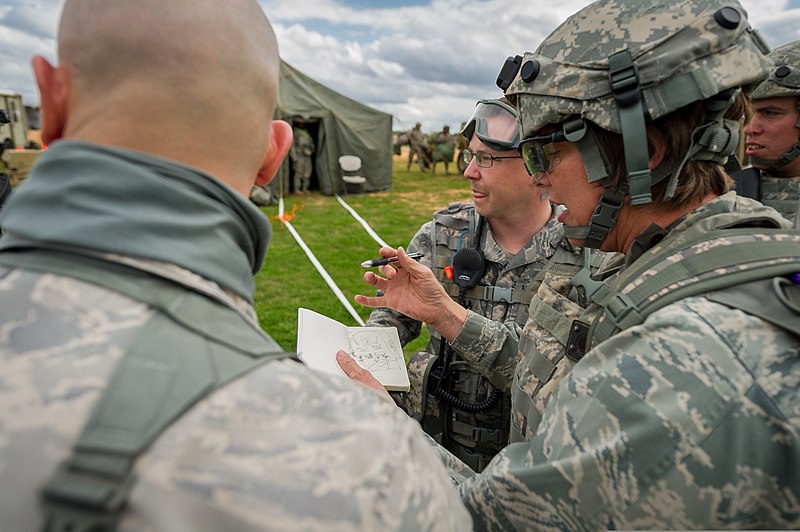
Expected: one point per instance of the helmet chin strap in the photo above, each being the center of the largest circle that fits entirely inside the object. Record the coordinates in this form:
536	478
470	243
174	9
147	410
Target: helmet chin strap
714	141
600	224
624	80
605	213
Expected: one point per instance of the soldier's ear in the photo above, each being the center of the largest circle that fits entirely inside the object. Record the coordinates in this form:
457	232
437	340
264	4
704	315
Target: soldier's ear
656	147
54	93
279	144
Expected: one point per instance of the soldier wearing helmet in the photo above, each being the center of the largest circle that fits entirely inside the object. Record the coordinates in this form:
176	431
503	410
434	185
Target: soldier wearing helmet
685	362
773	135
515	231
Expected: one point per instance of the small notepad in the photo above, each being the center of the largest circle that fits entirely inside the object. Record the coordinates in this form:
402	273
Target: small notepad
376	349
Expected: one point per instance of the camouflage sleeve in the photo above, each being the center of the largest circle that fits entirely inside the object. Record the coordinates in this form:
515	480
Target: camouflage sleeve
656	429
288	448
408	328
457	469
491	347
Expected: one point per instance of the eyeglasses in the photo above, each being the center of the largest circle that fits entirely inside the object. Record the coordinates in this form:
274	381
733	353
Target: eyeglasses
495	123
538	154
483	159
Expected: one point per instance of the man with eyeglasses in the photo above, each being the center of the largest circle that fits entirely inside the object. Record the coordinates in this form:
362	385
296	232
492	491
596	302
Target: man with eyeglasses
487	342
511	223
680	408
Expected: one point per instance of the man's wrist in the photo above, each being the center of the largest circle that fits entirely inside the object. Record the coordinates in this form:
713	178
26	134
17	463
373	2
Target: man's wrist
450	320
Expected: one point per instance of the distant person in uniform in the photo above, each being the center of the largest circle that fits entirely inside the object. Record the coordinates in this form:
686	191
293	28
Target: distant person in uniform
302	162
416	148
261	196
773	137
5	190
443	148
5	180
138	390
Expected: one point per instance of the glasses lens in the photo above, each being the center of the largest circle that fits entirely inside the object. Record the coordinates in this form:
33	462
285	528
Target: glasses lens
495	124
467	155
535	158
483	159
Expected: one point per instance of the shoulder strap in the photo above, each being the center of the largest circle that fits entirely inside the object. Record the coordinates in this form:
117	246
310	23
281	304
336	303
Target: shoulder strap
775	300
190	347
706	263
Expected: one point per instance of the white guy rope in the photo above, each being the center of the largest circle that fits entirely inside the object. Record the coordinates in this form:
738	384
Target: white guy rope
363	223
324	274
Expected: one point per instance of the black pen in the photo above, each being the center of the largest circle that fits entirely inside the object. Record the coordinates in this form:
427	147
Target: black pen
372	263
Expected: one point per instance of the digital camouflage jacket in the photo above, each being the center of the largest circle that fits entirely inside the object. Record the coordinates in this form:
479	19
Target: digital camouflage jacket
280	448
783	195
502	295
686	421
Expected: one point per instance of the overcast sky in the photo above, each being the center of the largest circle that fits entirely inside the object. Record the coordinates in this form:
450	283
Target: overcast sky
420	60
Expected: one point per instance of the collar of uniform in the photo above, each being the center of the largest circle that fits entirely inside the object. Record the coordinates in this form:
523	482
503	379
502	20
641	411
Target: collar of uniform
727	210
129	203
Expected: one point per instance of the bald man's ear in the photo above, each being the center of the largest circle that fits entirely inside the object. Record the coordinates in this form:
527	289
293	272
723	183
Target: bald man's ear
279	144
54	93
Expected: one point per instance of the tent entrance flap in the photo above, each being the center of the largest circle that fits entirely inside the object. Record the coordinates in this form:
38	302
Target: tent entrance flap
315	131
343	127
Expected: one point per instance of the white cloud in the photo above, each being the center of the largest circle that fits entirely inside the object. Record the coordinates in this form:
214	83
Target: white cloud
421	63
442	57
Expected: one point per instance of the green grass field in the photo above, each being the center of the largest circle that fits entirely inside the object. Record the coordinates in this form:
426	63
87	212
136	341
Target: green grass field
289	280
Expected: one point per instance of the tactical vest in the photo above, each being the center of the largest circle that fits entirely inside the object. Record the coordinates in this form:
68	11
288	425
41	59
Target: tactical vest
742	266
544	346
474	437
190	346
739	266
782	194
449	235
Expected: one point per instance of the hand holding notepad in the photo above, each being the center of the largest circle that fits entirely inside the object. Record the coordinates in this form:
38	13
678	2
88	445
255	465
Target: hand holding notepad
376	349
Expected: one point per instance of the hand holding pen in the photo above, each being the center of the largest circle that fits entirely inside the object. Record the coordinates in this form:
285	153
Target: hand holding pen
373	263
413	290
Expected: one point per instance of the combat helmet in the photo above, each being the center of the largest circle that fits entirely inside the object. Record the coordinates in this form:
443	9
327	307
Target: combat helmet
784	80
618	65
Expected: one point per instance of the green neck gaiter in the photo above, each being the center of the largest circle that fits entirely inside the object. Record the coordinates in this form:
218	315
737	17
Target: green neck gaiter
120	201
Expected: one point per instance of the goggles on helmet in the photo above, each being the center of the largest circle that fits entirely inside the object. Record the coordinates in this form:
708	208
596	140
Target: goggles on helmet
536	157
495	124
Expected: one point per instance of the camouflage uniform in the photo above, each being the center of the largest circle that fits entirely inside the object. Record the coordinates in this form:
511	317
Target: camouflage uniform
783	195
497	349
301	151
657	426
474	438
442	147
261	196
416	147
281	448
647	433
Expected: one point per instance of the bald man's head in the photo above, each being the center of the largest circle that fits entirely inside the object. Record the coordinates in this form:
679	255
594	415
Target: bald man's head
201	71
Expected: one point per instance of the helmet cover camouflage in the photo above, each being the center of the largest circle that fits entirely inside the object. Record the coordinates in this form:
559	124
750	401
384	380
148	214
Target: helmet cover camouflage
784	78
683	51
